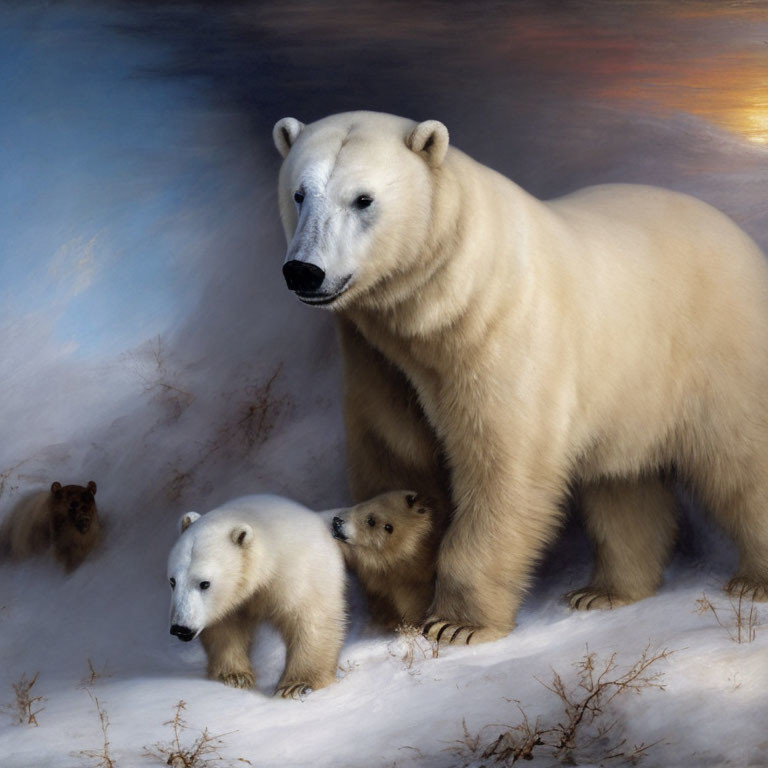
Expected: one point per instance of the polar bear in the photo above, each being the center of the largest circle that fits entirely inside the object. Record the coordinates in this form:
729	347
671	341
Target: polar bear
64	519
260	558
391	542
602	341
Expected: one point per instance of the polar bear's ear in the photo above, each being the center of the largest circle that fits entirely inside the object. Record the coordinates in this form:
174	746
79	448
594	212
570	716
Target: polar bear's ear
242	535
285	133
429	138
187	519
56	488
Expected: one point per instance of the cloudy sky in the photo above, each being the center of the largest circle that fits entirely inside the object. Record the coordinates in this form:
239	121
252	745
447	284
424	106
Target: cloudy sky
149	343
138	175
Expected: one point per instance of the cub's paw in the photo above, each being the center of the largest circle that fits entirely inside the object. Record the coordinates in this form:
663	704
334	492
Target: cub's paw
751	589
453	633
242	679
293	690
590	599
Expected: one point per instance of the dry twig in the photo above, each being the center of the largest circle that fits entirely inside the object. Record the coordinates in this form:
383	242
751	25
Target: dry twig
102	755
742	627
93	675
202	752
583	727
410	646
24	709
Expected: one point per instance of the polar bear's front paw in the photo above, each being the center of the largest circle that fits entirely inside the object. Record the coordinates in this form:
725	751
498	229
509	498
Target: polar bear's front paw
242	679
745	587
293	690
453	633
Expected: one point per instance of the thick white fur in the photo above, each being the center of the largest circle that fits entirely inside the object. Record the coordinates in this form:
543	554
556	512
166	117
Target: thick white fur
266	558
589	341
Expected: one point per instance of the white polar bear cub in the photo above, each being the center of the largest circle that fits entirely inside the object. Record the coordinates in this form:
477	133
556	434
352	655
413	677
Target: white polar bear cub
260	558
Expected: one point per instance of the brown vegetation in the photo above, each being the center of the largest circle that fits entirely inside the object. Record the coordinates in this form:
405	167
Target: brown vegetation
584	730
102	755
246	429
742	623
202	752
25	708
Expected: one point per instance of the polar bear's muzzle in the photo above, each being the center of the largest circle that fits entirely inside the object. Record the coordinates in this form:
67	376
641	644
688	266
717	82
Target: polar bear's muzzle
305	280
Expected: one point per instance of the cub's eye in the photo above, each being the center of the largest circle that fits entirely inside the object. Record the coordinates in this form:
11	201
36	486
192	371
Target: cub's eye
205	584
363	201
298	197
371	522
172	582
388	528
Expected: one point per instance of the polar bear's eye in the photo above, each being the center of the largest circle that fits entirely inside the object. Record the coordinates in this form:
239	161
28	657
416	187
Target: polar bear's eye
172	582
363	201
298	197
371	522
388	528
205	584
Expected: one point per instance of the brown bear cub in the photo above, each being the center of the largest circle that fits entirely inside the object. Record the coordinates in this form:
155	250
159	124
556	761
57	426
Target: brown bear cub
391	543
64	519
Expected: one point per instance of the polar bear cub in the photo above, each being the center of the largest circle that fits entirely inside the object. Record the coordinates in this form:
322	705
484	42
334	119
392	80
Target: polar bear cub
260	558
391	543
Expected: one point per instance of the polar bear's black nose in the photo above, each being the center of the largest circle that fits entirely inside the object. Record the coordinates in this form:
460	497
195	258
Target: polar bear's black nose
302	276
183	633
337	531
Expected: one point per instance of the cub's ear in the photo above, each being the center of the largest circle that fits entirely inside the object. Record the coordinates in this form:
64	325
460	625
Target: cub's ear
242	535
285	133
92	487
187	519
56	489
429	139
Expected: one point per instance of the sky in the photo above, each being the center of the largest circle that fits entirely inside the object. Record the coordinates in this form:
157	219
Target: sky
149	342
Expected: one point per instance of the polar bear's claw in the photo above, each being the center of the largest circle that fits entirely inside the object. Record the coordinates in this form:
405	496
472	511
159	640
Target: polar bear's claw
450	633
745	587
293	690
239	679
590	599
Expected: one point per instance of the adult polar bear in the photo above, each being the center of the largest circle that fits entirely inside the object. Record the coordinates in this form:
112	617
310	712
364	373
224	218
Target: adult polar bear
592	340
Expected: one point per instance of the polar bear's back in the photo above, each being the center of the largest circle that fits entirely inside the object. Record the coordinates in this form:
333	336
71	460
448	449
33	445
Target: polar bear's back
299	539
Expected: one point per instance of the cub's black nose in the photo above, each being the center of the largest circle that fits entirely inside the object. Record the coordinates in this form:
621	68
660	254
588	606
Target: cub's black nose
337	532
302	276
183	633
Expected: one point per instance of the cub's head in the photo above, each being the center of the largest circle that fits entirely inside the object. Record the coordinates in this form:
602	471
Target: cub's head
356	199
76	505
208	571
386	530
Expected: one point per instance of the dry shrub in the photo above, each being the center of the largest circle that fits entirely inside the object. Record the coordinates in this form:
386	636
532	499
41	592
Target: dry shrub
151	367
411	646
25	707
741	625
102	755
93	675
251	421
585	730
202	752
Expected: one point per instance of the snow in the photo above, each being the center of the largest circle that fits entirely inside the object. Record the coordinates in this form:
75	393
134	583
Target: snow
149	344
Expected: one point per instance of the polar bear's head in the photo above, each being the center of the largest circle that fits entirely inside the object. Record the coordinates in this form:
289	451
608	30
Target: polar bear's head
356	193
385	531
209	571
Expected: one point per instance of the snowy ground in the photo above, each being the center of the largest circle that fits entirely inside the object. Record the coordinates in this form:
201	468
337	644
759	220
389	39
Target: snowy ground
149	344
